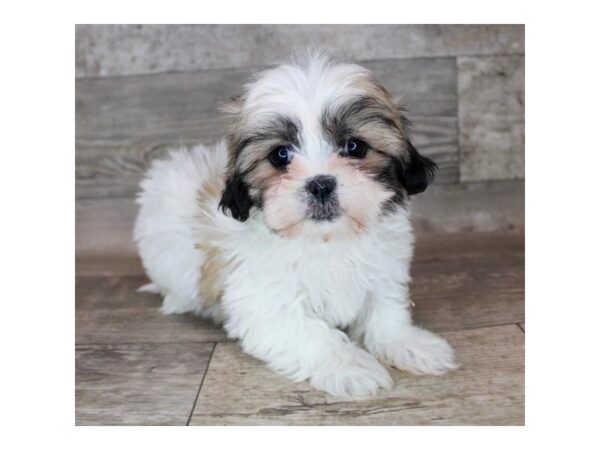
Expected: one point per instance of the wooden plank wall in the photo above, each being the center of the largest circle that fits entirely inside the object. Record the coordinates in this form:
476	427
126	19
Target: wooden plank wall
143	89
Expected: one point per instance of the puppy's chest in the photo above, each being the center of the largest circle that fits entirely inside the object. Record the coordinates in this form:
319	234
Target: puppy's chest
334	296
332	282
333	285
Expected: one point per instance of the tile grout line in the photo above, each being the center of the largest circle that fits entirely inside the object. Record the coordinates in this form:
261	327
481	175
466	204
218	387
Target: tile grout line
201	383
471	328
458	127
148	343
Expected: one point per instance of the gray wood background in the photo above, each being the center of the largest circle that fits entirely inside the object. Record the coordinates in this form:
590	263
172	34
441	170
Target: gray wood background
142	89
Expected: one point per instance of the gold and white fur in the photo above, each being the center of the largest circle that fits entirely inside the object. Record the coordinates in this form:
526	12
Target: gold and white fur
325	301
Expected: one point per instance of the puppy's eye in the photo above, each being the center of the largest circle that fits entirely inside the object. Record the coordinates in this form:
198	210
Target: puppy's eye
281	156
355	148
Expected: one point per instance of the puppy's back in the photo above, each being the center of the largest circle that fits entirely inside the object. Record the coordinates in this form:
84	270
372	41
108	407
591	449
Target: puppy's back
165	233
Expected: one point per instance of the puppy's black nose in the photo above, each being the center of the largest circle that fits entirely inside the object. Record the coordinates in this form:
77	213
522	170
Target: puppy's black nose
321	186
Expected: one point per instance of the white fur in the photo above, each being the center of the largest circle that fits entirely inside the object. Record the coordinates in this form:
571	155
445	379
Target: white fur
286	298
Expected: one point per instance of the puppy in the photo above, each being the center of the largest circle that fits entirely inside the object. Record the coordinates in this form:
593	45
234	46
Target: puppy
294	232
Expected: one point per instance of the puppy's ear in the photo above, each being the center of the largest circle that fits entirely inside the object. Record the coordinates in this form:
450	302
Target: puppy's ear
417	172
236	198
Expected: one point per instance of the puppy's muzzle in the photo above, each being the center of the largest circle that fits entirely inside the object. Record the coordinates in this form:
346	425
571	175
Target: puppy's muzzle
322	198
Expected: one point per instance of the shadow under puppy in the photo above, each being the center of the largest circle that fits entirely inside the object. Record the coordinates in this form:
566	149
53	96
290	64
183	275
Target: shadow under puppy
296	226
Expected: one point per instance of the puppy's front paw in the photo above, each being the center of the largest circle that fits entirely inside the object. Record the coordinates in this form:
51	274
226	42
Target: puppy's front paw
355	374
422	352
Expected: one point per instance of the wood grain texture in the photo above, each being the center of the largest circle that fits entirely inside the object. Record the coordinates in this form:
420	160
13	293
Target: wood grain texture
427	87
133	49
492	117
491	206
138	384
124	123
104	226
487	389
469	280
109	310
98	265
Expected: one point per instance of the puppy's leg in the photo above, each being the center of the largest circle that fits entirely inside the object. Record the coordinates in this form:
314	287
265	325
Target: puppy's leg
387	332
302	347
173	304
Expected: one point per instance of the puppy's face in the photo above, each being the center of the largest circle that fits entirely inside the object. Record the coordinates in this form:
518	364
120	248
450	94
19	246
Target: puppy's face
321	149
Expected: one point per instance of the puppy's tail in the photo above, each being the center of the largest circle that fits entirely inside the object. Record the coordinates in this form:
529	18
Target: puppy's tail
150	288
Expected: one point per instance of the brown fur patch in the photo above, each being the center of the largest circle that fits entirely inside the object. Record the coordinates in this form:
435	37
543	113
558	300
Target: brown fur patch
264	174
372	164
212	276
212	188
211	280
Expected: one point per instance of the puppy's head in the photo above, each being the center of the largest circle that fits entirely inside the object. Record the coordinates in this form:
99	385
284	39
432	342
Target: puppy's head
322	149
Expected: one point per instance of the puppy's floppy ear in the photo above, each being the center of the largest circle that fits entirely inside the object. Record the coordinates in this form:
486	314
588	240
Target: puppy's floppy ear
417	172
236	198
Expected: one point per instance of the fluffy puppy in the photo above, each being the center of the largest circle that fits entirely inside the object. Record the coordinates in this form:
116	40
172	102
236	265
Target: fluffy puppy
294	231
